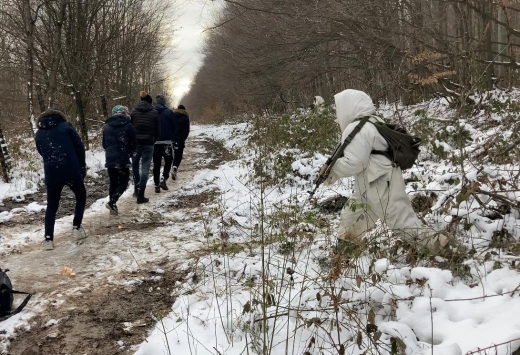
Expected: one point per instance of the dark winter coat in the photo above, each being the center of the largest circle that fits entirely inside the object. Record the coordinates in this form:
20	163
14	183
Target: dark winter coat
146	123
182	120
168	126
61	148
119	142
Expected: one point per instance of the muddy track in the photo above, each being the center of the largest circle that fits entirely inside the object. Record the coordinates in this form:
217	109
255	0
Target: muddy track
124	271
100	320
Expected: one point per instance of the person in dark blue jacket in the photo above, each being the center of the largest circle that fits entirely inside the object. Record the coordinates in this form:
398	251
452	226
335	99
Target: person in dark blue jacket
182	121
163	146
64	164
119	142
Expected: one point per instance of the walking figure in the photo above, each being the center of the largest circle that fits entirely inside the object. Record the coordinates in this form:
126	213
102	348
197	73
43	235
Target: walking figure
182	121
64	164
119	142
147	130
163	147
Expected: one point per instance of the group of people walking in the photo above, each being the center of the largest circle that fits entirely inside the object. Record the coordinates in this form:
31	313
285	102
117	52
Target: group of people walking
158	133
130	139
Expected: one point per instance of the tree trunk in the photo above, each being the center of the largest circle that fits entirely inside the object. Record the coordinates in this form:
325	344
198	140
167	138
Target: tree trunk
57	53
4	157
82	120
29	38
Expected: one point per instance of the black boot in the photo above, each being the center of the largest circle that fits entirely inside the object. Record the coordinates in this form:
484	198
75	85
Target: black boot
136	191
162	185
141	198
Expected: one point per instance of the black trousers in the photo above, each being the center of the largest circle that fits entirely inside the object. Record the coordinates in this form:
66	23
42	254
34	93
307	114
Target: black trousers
119	178
161	151
53	202
177	155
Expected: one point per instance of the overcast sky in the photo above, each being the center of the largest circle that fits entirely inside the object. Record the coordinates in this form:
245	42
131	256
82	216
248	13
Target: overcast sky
193	17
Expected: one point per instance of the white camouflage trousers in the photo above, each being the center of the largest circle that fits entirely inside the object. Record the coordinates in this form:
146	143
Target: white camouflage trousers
385	199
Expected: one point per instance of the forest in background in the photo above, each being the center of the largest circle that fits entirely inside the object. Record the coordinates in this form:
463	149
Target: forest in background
51	50
274	56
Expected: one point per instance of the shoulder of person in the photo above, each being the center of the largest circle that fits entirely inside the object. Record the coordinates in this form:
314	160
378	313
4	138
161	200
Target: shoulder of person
68	125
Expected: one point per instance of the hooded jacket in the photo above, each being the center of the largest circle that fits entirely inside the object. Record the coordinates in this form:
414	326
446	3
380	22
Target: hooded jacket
168	123
119	142
61	148
357	157
379	187
145	120
182	122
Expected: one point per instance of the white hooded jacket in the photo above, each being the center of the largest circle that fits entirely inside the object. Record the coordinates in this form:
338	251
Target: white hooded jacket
357	157
379	186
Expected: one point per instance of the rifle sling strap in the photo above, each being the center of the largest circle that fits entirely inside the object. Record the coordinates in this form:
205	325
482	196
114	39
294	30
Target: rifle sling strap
355	131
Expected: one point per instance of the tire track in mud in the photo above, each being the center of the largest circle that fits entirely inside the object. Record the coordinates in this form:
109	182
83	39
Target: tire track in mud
125	271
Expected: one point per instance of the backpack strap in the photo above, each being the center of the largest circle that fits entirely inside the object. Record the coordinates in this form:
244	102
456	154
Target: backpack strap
386	153
23	304
20	307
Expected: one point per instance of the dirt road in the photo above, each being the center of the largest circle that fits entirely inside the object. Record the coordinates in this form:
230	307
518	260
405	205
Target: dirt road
124	271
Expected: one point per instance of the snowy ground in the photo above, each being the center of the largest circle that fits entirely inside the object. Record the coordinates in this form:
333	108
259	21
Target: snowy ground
255	263
278	293
120	255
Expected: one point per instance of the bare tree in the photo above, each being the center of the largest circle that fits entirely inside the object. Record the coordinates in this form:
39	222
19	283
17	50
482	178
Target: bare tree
280	54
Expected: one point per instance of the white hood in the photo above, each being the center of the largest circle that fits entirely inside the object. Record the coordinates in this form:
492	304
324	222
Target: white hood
318	101
351	104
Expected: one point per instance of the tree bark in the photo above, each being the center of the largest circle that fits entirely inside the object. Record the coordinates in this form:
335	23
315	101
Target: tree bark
57	53
29	38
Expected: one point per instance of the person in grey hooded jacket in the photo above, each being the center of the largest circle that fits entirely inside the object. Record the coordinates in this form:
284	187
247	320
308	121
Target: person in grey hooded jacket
379	189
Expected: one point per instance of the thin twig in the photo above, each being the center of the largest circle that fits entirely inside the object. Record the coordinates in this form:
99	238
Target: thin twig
482	297
491	347
138	266
431	313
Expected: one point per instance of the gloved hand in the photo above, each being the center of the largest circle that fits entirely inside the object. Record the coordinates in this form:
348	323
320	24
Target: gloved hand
84	172
323	169
175	145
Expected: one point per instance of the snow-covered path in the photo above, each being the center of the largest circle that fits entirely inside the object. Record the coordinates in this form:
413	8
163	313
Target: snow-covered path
121	252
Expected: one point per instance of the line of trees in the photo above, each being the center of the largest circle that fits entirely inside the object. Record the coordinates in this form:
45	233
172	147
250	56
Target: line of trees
52	49
277	55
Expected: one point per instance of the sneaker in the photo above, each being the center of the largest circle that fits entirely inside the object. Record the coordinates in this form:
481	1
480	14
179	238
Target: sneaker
162	185
174	173
157	189
112	207
48	244
79	233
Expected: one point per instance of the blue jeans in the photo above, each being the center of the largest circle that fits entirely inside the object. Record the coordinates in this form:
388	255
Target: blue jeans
143	156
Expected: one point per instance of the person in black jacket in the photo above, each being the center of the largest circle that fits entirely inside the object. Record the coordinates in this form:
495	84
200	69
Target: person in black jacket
64	164
163	146
145	120
182	120
119	142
